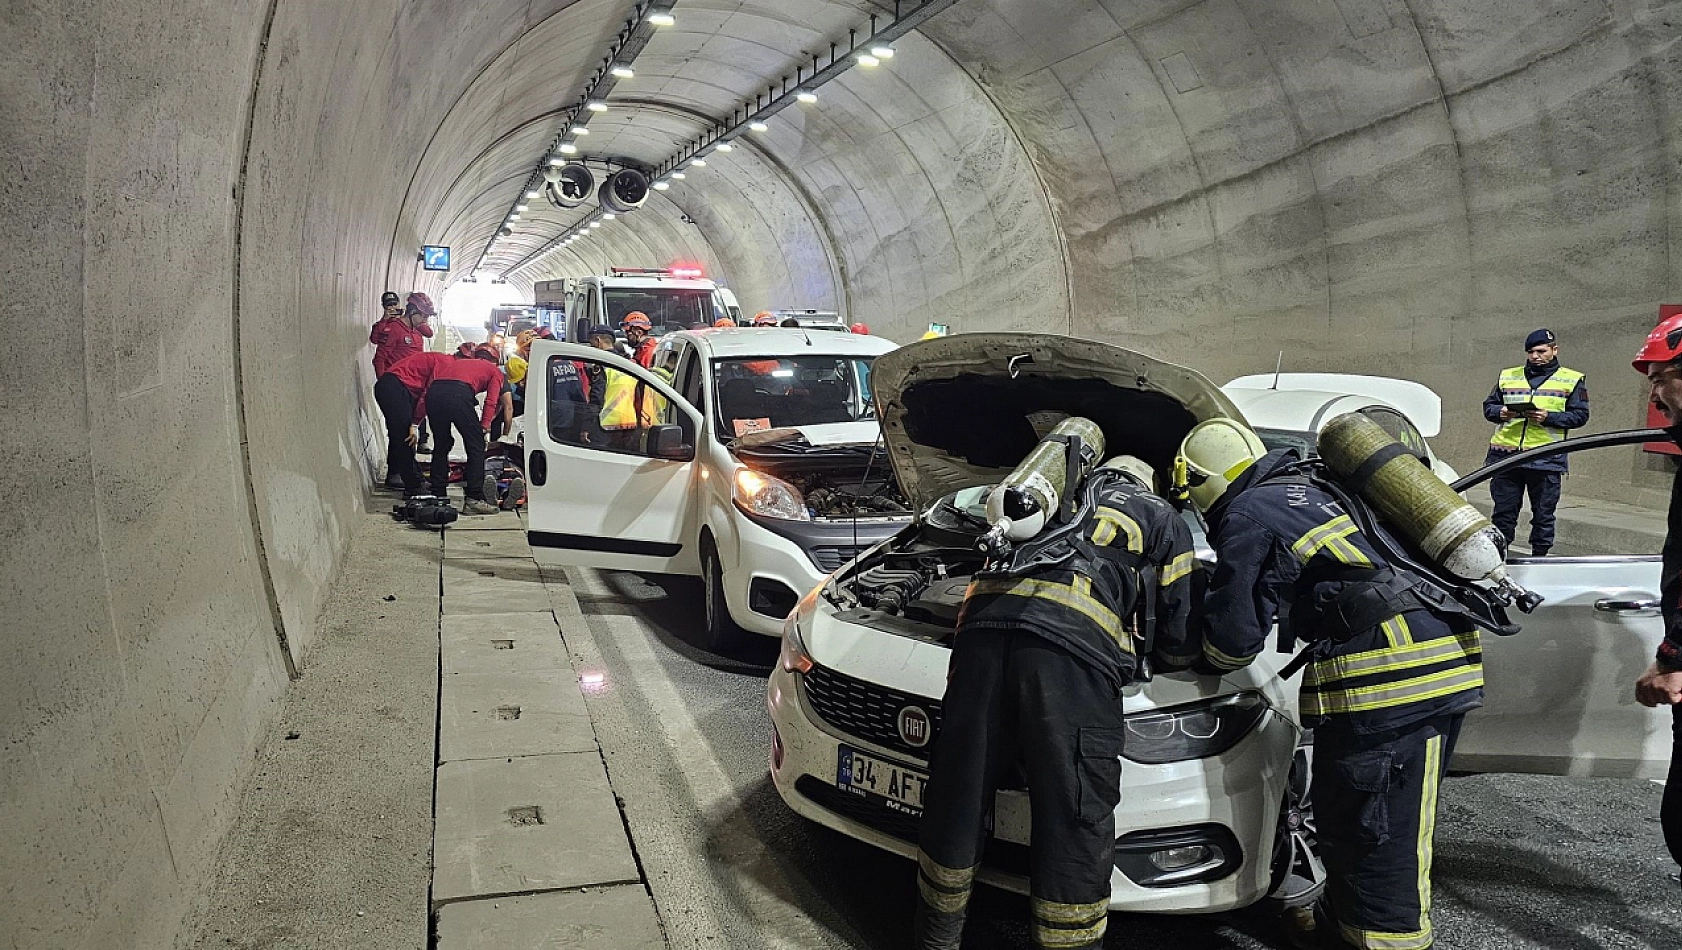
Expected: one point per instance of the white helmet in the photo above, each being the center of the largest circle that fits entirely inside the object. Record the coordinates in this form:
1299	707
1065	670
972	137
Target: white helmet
1135	468
1212	456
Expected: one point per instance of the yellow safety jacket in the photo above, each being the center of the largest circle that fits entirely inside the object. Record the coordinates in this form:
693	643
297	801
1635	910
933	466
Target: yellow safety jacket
1518	434
622	408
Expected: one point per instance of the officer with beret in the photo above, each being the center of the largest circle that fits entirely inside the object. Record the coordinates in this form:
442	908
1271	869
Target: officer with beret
1533	405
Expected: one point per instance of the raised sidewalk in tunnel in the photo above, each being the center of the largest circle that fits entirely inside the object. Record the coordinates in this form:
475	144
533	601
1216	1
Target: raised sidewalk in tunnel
434	779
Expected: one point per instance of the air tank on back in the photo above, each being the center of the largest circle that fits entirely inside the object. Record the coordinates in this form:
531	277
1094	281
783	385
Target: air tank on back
1418	505
1019	507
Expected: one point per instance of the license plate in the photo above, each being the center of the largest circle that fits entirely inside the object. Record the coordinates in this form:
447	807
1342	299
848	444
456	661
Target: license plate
896	786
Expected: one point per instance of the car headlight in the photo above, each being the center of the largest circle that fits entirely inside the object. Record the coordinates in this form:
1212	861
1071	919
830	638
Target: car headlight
760	494
1193	731
794	657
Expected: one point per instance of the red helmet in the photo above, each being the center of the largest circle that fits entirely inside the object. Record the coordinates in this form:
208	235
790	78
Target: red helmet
421	303
764	318
636	318
465	351
860	328
486	352
1663	345
723	322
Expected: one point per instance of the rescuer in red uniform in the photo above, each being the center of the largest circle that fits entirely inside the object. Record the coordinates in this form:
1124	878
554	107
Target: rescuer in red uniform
449	403
639	332
401	394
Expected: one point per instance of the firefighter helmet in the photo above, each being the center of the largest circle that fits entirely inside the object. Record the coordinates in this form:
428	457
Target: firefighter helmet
636	318
860	328
723	322
1135	468
1663	345
487	352
764	318
421	303
1212	456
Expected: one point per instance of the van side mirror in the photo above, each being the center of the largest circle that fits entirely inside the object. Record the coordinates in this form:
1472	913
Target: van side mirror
666	442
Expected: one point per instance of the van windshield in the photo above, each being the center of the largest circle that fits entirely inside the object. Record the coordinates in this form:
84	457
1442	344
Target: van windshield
774	392
668	308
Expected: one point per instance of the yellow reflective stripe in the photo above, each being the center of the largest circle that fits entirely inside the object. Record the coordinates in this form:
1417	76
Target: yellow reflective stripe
1306	545
1374	940
1397	632
1115	520
1389	695
1060	913
1428	827
1076	597
1213	654
1178	568
944	889
1460	646
1333	537
1052	937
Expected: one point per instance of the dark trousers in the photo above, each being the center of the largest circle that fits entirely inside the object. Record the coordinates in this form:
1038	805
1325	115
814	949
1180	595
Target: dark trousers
451	404
1013	697
398	407
1507	491
1375	801
1670	811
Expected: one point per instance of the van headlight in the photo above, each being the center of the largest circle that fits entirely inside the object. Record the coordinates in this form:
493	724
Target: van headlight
1193	731
769	496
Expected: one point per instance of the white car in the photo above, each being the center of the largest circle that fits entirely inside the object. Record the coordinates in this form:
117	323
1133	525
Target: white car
1209	818
1290	409
1214	783
762	472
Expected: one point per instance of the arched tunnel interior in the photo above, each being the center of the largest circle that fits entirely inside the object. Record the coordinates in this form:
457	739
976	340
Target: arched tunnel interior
205	200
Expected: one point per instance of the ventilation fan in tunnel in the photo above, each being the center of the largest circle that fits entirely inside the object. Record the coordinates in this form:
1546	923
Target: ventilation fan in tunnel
504	231
571	185
624	191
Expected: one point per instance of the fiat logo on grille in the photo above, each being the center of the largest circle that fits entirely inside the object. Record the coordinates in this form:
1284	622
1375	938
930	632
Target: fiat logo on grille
914	726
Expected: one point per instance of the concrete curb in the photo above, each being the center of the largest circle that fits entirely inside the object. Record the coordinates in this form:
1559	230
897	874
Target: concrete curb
530	847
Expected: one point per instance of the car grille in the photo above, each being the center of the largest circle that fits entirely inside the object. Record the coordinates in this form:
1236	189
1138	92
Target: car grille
866	711
831	557
1006	856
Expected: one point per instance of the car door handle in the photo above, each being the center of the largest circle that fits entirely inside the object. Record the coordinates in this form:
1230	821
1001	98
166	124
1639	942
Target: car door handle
1625	606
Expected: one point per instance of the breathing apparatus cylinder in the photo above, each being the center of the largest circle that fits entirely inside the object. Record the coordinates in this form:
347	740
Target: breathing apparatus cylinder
1021	505
1418	504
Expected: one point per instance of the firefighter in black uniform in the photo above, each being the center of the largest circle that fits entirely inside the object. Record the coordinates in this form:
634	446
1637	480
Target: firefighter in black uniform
1039	660
1385	693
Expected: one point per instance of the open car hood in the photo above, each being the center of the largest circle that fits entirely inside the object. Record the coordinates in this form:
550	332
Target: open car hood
964	410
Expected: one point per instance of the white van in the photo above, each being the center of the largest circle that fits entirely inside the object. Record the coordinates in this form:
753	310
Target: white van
756	465
671	298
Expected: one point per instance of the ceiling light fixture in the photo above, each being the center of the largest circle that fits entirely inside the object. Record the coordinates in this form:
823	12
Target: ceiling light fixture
882	52
521	208
580	130
679	176
698	163
567	148
596	105
758	126
532	194
557	160
865	59
622	71
662	185
807	97
662	19
608	216
595	224
726	147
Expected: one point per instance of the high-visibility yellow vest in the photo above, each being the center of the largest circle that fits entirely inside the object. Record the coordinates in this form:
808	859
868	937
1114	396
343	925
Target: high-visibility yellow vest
620	403
1519	434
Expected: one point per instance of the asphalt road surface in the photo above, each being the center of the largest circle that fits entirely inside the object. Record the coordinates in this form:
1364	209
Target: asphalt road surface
1522	861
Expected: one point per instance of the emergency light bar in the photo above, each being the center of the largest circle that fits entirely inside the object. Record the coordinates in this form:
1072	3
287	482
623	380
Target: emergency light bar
680	272
687	273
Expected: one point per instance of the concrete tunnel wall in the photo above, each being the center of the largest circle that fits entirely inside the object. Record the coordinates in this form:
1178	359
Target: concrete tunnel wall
206	200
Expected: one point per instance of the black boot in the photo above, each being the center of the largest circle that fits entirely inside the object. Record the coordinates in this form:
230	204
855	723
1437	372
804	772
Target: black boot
931	930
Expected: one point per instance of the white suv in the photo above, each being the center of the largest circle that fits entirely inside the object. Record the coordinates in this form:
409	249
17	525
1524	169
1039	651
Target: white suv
756	466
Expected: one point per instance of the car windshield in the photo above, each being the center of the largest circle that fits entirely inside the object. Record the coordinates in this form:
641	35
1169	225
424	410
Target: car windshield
773	392
668	308
1303	442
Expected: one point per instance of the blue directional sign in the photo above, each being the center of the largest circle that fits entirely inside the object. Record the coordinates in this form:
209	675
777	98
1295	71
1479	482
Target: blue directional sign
435	257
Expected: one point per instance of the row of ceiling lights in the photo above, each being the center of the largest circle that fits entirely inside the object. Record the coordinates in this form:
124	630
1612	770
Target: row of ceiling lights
876	49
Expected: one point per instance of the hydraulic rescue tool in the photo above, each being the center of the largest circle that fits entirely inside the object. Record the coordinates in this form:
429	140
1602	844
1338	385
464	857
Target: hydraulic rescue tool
1043	486
425	511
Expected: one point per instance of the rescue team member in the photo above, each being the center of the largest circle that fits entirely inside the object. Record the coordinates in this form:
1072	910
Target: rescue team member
639	333
1533	405
1039	661
401	394
723	323
402	332
764	318
859	328
629	407
449	402
1660	358
1385	694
